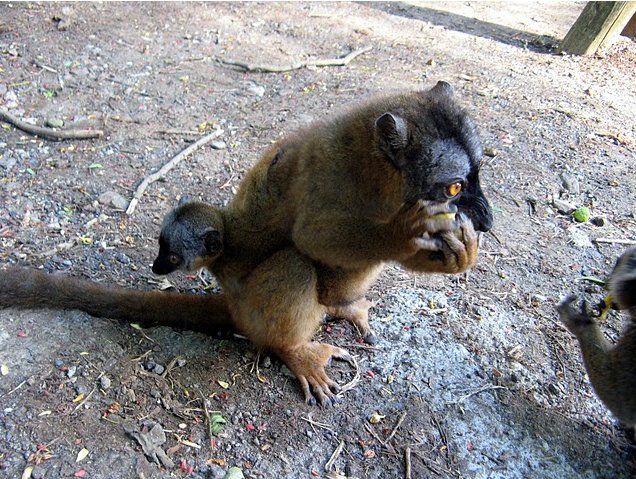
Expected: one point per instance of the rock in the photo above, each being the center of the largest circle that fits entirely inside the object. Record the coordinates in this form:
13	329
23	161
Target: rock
256	90
104	382
571	183
114	199
10	96
579	238
150	443
158	369
599	221
234	473
563	206
181	362
38	472
55	123
215	471
122	258
218	145
58	363
71	371
267	362
81	388
490	151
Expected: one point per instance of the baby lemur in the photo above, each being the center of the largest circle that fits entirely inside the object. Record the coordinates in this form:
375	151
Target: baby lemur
611	368
315	219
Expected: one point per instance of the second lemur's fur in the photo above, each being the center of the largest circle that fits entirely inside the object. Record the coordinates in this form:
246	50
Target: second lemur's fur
611	368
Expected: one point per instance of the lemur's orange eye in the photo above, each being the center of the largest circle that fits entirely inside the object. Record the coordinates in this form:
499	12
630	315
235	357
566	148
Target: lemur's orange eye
453	189
174	259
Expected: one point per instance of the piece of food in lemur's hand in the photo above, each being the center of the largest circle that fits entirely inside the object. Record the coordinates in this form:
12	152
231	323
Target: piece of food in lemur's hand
610	367
444	216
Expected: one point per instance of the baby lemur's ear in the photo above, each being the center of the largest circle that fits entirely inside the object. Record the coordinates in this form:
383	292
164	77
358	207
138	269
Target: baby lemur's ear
443	88
212	241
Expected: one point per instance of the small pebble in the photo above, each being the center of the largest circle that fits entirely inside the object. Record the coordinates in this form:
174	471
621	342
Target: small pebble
599	221
218	145
150	364
563	206
234	473
267	362
553	389
104	382
71	371
256	90
114	199
181	362
55	123
58	363
571	183
490	151
38	472
158	369
81	388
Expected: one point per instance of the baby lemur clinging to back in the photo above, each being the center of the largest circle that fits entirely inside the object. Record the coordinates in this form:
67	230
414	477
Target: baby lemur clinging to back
611	368
315	219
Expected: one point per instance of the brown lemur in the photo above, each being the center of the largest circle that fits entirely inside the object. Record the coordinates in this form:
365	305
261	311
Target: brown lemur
314	221
611	368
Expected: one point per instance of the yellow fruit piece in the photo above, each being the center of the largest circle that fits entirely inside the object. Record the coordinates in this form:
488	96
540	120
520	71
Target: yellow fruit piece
443	216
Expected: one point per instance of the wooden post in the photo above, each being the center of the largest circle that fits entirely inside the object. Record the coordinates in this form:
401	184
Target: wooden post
598	23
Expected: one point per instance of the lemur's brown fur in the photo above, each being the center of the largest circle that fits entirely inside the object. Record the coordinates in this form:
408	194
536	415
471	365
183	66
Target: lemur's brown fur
315	219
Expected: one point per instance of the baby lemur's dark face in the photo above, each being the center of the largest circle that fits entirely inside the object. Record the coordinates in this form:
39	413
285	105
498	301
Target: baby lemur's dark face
436	147
190	239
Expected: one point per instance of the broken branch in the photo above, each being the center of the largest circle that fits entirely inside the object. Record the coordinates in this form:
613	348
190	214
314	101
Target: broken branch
329	62
167	167
615	241
50	133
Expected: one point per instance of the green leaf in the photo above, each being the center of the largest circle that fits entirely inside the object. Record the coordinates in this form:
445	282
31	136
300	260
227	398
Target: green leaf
216	423
49	93
95	166
30	171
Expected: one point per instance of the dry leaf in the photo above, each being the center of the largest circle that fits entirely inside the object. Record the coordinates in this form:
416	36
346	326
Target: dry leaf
223	384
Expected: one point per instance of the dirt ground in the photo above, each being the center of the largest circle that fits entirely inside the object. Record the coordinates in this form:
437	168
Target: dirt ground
473	376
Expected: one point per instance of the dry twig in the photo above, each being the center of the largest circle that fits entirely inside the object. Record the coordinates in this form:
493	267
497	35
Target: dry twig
49	133
487	387
330	62
334	456
615	241
397	425
407	463
167	167
316	423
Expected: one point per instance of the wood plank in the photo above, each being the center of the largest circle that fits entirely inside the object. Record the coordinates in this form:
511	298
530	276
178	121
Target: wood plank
597	25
